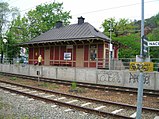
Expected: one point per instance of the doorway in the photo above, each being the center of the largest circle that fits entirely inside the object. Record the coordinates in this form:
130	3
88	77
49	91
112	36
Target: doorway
47	56
79	57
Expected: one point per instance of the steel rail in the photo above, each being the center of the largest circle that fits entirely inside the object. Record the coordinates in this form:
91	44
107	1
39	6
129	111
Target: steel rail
83	98
85	109
148	92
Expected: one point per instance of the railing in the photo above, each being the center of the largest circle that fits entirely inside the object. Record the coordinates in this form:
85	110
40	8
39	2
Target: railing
121	63
114	64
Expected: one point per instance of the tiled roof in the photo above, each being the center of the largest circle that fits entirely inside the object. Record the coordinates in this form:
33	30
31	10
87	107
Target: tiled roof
71	32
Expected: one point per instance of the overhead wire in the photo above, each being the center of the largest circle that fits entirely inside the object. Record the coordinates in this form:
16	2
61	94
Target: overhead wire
100	10
117	7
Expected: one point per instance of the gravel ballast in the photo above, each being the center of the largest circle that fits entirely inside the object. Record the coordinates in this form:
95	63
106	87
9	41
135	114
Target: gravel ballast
21	107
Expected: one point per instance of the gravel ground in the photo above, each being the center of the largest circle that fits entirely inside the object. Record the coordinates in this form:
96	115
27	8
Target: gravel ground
127	98
20	107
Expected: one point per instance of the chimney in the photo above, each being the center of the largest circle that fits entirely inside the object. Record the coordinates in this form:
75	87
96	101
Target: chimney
80	20
58	24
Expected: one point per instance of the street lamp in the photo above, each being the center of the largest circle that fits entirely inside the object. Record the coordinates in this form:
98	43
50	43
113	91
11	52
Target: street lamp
110	45
5	41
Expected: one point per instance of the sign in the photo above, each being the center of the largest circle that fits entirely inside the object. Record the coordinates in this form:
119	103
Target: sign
153	43
67	56
142	66
144	46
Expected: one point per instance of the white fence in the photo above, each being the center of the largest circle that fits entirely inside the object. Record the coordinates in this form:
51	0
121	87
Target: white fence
121	63
123	78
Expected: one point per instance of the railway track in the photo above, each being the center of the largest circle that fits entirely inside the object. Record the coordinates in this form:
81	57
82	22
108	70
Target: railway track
89	105
147	92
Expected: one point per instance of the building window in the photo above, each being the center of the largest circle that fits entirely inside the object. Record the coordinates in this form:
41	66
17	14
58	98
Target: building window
93	52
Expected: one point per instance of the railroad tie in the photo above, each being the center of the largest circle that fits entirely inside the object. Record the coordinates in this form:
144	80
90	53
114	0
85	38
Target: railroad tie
133	115
30	99
97	108
48	96
86	104
60	98
67	110
156	117
41	93
72	101
116	111
13	94
53	106
31	92
23	90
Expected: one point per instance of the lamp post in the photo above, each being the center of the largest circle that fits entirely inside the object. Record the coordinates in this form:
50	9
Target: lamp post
141	75
5	41
110	45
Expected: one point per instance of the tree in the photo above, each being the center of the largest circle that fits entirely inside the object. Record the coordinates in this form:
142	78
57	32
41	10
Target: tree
45	16
36	21
121	27
6	13
154	36
124	32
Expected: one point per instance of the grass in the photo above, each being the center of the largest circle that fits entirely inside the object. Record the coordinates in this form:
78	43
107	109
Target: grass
13	78
48	85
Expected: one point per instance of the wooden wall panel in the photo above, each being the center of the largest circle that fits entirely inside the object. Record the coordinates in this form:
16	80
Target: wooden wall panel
100	51
56	52
62	50
51	53
92	64
115	52
36	53
85	64
30	53
70	50
74	53
41	52
86	52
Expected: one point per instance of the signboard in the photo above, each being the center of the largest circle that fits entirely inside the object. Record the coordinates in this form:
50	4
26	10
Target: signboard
142	66
67	56
153	43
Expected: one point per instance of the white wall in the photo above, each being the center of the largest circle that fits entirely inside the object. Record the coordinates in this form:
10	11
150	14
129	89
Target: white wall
123	78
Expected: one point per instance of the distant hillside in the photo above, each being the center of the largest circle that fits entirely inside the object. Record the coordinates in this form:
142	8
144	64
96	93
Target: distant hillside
132	39
152	22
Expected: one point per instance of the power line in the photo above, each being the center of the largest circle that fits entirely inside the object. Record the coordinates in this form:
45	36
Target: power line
35	6
113	8
117	7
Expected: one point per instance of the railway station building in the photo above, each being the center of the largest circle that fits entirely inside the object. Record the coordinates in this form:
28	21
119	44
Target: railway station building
75	45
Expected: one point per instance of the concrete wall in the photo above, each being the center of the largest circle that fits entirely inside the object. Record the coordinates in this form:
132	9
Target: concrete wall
123	78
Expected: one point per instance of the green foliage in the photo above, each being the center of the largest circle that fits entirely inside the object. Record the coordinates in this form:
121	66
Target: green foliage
13	78
126	33
121	27
73	85
154	36
45	16
131	44
5	13
48	85
36	22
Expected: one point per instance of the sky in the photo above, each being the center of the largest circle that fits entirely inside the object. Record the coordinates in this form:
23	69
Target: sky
96	11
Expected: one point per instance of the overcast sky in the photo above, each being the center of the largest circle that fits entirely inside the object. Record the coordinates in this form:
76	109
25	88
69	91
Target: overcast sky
95	11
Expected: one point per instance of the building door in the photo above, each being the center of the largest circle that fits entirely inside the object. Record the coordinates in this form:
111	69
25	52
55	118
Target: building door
47	56
79	57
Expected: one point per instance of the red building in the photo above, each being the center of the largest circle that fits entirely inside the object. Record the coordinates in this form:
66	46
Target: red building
76	45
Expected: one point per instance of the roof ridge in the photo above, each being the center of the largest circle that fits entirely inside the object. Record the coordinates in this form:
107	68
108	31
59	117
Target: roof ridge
73	32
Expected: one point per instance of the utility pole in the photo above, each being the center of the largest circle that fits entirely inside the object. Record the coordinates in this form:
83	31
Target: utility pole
140	84
110	46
